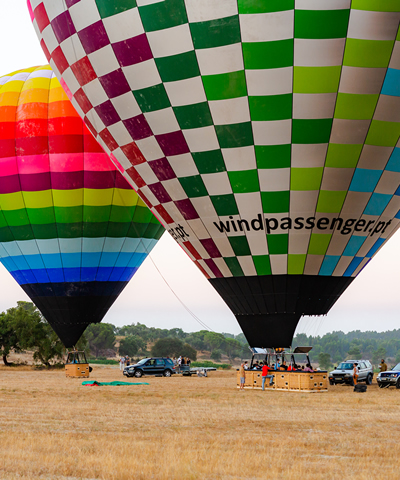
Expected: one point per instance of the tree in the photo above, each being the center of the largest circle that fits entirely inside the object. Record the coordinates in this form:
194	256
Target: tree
100	336
324	360
8	337
214	340
378	354
397	359
167	347
189	352
216	355
354	351
232	348
130	345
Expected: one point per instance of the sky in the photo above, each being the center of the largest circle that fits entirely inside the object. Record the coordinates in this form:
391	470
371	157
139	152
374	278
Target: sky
168	291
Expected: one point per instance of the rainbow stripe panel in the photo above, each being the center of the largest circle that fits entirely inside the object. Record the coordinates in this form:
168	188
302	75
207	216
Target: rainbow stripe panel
72	230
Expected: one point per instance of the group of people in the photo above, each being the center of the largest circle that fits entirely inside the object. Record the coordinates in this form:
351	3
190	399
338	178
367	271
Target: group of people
266	369
181	360
283	367
124	362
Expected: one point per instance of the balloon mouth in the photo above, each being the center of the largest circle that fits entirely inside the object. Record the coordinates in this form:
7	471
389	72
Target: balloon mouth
70	307
268	308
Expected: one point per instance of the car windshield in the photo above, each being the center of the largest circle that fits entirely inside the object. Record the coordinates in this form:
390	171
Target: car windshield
345	366
396	367
142	361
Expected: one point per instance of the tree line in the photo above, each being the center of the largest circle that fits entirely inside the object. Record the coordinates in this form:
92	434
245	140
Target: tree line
24	328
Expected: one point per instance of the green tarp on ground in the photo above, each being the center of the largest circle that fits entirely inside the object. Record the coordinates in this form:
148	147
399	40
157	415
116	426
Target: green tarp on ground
94	383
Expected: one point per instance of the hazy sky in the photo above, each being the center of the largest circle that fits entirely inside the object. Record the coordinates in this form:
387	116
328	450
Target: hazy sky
372	302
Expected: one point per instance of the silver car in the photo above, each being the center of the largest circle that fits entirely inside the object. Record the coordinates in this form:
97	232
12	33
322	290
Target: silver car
344	372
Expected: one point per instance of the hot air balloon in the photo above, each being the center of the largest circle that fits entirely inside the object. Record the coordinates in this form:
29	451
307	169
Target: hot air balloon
268	133
73	231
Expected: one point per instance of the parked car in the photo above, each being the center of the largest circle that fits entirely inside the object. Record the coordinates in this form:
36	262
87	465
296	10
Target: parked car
151	366
343	373
390	377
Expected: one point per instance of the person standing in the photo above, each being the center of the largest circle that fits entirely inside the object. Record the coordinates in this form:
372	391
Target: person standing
355	373
122	363
265	375
383	367
242	376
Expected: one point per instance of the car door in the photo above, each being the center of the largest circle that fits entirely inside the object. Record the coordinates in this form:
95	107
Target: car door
362	375
160	365
149	367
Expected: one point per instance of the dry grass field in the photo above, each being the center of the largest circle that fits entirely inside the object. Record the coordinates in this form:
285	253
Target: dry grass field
191	428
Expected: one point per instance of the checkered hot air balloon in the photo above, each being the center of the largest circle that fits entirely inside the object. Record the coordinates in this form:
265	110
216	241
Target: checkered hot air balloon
265	133
72	230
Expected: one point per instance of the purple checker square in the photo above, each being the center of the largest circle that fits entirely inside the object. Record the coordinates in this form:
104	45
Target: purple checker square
107	113
211	265
115	84
160	193
94	37
172	143
187	209
162	169
63	26
69	3
138	127
212	249
133	50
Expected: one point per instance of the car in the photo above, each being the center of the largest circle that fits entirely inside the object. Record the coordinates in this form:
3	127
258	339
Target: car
390	377
343	373
151	366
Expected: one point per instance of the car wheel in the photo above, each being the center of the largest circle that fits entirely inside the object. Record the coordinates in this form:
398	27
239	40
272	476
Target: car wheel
368	380
167	373
398	383
331	382
138	373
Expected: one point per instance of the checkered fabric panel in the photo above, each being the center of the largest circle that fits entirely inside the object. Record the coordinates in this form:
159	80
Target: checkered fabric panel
259	131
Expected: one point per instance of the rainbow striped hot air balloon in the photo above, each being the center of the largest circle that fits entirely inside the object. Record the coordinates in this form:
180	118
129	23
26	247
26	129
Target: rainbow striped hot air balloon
72	230
267	129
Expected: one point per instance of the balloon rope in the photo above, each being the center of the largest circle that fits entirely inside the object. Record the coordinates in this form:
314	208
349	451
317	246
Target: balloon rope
177	297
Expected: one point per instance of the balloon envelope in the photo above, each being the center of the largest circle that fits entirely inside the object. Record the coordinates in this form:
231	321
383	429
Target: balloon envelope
72	230
263	133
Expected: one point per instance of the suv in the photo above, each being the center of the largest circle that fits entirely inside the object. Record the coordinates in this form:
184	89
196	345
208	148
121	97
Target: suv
390	377
344	372
151	366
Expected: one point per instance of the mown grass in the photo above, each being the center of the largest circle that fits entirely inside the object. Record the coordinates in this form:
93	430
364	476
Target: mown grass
52	427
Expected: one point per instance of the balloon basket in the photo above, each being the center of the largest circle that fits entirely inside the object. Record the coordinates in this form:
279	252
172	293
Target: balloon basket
287	381
76	365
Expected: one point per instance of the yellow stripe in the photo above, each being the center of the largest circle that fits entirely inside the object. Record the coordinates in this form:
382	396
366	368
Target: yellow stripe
38	199
9	99
37	83
97	198
13	86
124	198
11	201
68	198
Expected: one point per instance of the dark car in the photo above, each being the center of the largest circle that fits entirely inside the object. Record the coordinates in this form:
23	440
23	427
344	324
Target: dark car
151	366
390	377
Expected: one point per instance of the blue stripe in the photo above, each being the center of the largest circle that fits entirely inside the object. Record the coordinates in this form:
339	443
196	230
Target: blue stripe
353	246
353	266
375	247
391	85
100	274
377	204
365	180
393	164
329	264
